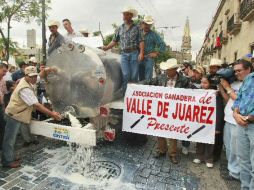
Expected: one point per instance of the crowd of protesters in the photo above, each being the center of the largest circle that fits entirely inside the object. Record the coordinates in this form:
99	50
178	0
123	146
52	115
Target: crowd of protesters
234	101
139	46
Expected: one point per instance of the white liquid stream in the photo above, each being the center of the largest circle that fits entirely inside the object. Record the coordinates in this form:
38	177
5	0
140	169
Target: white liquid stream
73	164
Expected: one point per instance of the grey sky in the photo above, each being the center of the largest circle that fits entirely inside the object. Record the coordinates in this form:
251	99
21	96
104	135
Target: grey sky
88	14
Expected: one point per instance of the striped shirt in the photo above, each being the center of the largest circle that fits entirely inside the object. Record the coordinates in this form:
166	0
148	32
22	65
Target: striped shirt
129	37
28	96
153	42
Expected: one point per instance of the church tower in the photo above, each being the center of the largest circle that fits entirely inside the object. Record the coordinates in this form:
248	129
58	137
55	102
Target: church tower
185	54
186	43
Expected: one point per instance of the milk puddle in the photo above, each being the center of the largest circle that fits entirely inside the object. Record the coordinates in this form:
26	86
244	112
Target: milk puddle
76	165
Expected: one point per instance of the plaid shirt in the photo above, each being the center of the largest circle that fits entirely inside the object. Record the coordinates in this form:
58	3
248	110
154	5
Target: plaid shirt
245	97
128	37
153	42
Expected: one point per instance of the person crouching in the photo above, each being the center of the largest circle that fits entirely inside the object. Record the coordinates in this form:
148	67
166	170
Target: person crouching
18	112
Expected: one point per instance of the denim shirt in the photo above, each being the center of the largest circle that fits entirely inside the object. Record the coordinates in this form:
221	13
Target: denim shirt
153	42
128	37
245	98
57	42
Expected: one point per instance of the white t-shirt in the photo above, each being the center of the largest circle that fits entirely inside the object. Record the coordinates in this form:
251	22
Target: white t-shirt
8	77
68	37
28	95
228	108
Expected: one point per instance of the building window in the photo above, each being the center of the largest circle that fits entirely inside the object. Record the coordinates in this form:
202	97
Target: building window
219	54
235	56
252	49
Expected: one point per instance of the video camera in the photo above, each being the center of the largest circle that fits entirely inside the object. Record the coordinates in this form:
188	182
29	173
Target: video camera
226	73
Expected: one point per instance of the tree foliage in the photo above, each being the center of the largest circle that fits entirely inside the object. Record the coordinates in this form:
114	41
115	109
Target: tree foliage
20	11
13	47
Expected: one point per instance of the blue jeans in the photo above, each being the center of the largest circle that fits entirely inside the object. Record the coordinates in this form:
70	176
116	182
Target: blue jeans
11	130
230	136
129	66
146	69
2	125
245	143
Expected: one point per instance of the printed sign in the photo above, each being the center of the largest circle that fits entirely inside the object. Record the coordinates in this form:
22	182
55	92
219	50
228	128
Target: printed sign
177	113
61	133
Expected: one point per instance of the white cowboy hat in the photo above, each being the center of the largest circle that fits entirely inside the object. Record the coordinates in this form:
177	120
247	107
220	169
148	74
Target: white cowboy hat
148	19
54	23
33	59
169	64
215	62
84	30
131	10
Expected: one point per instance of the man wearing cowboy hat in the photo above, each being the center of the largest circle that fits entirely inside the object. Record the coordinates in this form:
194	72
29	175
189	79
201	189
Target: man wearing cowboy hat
198	72
214	66
131	40
55	39
171	78
18	113
154	45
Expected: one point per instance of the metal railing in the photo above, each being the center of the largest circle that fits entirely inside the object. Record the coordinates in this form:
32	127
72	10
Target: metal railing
233	22
246	7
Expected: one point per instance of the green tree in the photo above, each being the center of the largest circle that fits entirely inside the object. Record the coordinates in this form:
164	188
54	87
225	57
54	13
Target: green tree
97	33
13	47
20	11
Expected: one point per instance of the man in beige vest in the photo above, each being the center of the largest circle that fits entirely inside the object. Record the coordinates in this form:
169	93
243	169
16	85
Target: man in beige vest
18	113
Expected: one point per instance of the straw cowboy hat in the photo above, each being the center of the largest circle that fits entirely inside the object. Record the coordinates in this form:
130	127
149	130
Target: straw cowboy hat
148	19
54	23
84	30
131	10
215	62
200	70
169	64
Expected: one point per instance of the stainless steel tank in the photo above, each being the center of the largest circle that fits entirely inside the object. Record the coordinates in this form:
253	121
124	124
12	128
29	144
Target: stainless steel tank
86	79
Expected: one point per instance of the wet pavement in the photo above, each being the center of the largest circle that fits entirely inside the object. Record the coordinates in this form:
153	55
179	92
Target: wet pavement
118	165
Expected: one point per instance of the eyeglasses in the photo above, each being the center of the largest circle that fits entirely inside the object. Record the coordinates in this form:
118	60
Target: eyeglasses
239	70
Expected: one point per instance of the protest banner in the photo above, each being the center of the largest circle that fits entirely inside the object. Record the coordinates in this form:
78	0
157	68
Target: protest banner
185	114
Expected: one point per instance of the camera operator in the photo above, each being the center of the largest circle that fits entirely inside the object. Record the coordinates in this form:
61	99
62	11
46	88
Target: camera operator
214	67
229	94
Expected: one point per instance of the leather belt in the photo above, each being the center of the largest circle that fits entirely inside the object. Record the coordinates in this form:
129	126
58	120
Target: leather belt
129	50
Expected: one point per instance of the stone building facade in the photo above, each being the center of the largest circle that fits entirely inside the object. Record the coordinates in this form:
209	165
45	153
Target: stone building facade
229	36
